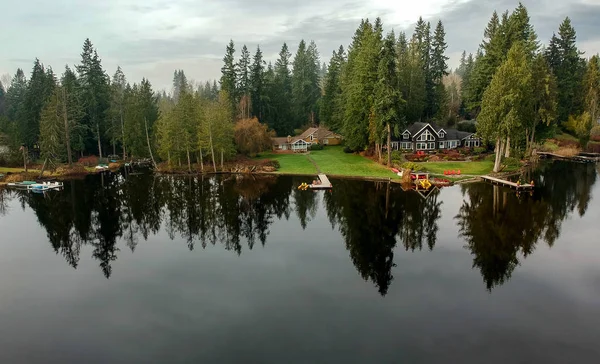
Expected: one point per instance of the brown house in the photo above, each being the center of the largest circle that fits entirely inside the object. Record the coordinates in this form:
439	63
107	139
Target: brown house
311	136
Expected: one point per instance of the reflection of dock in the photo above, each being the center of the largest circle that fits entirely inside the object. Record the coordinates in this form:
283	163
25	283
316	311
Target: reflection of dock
498	181
323	185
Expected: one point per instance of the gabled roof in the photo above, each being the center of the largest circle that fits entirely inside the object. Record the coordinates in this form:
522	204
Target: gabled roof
308	132
451	134
279	141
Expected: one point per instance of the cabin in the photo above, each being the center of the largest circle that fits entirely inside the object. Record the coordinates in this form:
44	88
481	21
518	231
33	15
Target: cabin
310	136
430	137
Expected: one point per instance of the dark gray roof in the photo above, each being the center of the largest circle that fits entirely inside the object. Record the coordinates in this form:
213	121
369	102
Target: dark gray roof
451	134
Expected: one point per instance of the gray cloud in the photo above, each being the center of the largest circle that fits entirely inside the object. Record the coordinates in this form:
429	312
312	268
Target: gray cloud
152	38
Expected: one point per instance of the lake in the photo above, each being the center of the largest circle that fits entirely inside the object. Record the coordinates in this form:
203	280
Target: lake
149	269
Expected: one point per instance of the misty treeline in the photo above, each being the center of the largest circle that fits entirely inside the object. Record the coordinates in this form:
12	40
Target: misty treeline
519	92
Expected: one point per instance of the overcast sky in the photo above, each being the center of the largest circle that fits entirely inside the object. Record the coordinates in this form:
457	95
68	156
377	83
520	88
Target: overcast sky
152	38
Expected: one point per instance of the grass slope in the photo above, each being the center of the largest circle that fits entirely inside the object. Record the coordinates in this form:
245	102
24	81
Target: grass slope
333	160
291	163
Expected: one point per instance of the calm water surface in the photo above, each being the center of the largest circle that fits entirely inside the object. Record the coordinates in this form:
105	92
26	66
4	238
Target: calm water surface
143	269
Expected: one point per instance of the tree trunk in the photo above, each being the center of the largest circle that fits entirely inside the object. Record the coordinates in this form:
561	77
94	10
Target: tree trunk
532	137
43	167
389	145
189	161
212	149
148	141
67	133
99	140
221	160
499	150
25	158
123	134
201	161
169	157
507	154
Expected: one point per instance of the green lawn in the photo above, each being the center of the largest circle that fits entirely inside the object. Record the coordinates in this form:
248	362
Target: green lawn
16	170
291	163
331	160
470	168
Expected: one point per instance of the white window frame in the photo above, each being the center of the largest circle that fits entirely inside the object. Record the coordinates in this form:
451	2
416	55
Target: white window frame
431	145
442	145
426	136
406	145
325	141
406	135
442	134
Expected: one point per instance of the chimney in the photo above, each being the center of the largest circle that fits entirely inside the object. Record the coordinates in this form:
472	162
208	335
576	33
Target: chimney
289	139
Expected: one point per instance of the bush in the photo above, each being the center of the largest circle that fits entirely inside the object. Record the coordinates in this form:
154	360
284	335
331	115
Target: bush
479	150
467	125
316	147
348	150
396	156
410	165
90	161
511	162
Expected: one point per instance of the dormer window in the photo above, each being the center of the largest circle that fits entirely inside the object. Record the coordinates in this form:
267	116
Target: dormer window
442	134
406	135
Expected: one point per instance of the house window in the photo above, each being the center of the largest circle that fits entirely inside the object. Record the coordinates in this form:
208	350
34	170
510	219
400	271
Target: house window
406	135
453	144
442	134
312	137
325	141
395	145
431	146
406	146
442	145
426	136
421	146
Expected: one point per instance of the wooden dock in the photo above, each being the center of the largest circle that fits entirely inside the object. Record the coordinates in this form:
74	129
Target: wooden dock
582	157
498	181
324	185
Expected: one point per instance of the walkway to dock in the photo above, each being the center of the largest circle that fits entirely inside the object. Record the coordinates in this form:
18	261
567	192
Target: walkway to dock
510	184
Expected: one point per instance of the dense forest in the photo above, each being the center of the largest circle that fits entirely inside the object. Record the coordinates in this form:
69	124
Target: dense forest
518	91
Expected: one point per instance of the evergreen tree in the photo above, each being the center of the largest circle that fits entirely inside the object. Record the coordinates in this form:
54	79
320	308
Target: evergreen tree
461	70
422	36
568	68
281	99
117	105
39	88
305	84
257	84
228	75
544	94
331	112
52	143
388	99
180	84
359	80
507	102
591	88
243	83
94	93
2	100
438	69
75	111
411	78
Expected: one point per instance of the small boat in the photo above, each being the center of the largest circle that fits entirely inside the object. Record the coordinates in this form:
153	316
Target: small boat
24	184
395	170
45	186
101	168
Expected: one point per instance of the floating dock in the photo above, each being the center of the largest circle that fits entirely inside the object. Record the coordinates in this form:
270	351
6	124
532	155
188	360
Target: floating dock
323	185
582	157
503	182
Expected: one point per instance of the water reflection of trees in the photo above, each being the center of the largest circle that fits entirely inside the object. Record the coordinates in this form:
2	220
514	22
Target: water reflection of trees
500	227
374	219
230	211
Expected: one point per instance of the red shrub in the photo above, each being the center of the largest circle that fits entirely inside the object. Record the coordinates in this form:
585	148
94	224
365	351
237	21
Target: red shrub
90	161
